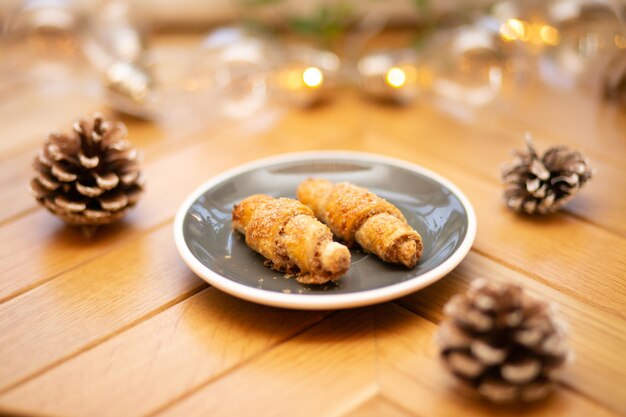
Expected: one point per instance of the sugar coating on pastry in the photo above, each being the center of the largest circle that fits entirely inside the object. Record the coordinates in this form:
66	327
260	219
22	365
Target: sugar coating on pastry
355	214
292	240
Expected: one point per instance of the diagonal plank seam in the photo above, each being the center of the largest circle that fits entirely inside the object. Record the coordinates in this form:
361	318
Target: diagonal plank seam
19	215
563	212
155	151
538	278
102	339
399	304
399	406
56	363
478	176
238	366
122	242
586	393
565	386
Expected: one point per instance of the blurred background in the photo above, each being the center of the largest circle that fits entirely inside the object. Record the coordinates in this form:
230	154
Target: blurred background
231	60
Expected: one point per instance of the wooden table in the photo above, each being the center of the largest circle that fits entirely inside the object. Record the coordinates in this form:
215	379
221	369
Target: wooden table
119	326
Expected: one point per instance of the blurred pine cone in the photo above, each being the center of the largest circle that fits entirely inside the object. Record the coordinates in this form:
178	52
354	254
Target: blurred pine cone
90	177
544	184
502	343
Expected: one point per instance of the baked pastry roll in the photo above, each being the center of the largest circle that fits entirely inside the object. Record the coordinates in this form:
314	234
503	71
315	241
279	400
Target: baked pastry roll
292	240
355	214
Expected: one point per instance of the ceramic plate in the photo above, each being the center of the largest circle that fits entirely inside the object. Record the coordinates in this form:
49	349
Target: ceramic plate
431	204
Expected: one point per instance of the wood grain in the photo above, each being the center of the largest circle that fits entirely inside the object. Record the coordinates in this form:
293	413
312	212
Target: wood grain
557	245
327	370
15	198
599	376
480	146
29	237
119	326
152	139
29	115
90	303
574	117
407	373
377	407
192	342
411	375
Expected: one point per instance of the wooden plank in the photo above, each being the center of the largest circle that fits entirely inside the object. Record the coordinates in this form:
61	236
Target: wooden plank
69	251
428	391
37	247
411	375
86	326
24	123
15	198
160	359
499	127
576	117
408	373
542	246
152	139
26	120
434	132
55	247
90	303
378	407
496	223
327	370
28	117
598	376
479	147
32	109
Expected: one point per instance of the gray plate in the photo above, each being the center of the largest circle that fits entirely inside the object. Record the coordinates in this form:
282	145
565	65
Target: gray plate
433	206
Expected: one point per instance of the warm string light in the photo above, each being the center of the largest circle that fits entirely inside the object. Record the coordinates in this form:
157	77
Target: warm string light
549	35
536	33
313	77
302	85
392	76
296	79
515	29
395	77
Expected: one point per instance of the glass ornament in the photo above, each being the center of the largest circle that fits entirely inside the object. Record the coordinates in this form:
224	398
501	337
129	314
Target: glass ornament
472	64
390	75
303	75
42	40
590	35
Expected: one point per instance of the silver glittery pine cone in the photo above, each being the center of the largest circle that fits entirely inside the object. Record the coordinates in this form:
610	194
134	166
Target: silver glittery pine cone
501	343
89	177
535	184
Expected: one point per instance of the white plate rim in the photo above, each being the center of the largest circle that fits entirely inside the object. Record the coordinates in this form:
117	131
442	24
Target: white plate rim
330	301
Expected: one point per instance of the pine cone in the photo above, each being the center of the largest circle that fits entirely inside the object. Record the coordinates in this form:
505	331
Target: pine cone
90	177
502	343
543	185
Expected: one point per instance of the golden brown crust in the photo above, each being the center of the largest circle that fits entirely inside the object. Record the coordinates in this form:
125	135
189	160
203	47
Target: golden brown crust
349	206
242	212
288	235
314	193
263	231
392	239
355	214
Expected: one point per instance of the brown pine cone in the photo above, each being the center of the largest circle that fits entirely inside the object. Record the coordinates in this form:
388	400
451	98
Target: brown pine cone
502	343
544	184
90	177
